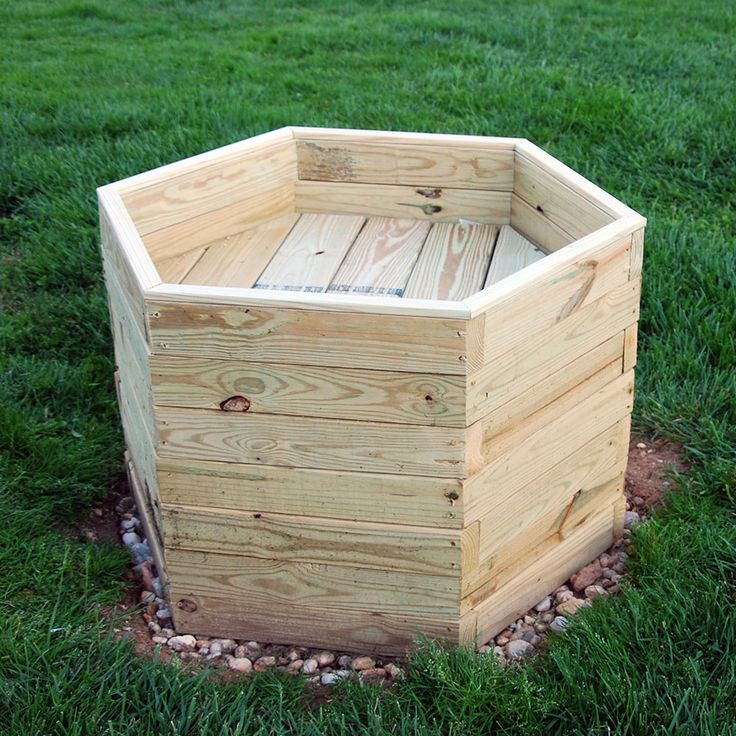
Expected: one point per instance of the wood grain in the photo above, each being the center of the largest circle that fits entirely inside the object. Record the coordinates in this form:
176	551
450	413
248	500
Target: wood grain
382	257
238	260
311	253
316	391
453	262
294	584
330	444
355	496
316	540
512	253
383	200
308	337
413	164
533	225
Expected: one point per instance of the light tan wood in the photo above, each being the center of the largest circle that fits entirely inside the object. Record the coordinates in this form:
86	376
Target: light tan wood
330	444
351	495
311	539
285	584
415	164
506	562
384	200
306	337
329	626
311	253
382	257
239	259
544	353
523	403
512	253
637	253
453	262
175	269
516	457
548	570
211	186
619	514
318	391
630	339
540	296
570	210
148	521
259	207
532	224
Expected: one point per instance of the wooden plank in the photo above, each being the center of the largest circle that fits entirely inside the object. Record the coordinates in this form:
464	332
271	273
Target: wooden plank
548	351
174	269
382	257
637	253
384	200
311	253
505	563
330	444
414	164
518	456
212	185
262	205
307	337
329	627
569	209
310	539
630	339
534	582
239	259
543	294
532	224
289	584
148	521
453	262
316	391
512	253
606	355
379	497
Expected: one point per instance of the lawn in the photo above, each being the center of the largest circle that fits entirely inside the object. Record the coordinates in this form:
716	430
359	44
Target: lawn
639	97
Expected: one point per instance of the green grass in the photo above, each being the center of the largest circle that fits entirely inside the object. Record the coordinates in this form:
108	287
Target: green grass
640	97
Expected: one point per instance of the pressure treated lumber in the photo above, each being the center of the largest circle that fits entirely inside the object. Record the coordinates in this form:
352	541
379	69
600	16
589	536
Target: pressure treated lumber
512	253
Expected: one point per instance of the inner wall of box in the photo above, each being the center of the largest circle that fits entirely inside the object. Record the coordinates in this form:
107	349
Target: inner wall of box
323	223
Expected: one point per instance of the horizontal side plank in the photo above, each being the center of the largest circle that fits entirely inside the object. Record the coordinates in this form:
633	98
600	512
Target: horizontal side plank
310	539
606	355
524	452
537	298
412	164
329	626
261	205
384	200
201	190
148	521
306	337
311	253
330	444
453	262
512	253
238	260
382	257
570	210
507	375
283	584
372	497
501	565
316	391
549	570
534	226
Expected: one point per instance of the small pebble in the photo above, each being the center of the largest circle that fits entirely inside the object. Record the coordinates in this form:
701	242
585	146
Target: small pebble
641	445
324	658
606	560
548	617
544	605
518	649
167	632
568	608
153	627
498	652
373	673
563	595
502	640
292	655
147	597
344	661
163	614
240	664
631	518
184	643
158	639
363	663
595	591
638	501
264	663
620	568
131	538
310	666
295	666
226	645
484	649
329	678
558	624
585	577
128	524
392	670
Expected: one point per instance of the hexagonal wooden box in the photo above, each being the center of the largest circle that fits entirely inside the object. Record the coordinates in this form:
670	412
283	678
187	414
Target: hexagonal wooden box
372	384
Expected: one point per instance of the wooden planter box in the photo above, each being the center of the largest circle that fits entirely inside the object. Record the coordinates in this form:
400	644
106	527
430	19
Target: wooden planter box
371	383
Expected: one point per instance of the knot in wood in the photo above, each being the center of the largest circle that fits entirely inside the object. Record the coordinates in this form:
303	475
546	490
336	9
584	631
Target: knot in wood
186	604
235	403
